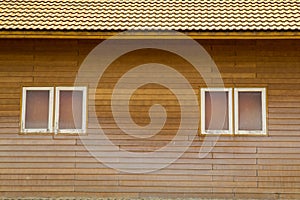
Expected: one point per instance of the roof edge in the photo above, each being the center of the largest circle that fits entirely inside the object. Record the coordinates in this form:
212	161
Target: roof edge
150	35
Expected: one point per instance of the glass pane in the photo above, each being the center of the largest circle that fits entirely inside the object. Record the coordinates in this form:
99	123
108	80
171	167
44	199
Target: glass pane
70	109
250	111
216	111
37	109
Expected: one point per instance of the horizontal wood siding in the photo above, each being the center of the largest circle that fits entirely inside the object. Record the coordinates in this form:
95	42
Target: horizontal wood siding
266	167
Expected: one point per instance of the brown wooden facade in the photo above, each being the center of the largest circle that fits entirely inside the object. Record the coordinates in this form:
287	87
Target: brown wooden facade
266	167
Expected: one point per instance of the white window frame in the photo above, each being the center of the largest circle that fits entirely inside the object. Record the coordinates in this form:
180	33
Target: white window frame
264	111
84	110
50	117
230	125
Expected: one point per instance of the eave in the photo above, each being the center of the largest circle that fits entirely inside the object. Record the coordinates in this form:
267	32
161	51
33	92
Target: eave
150	35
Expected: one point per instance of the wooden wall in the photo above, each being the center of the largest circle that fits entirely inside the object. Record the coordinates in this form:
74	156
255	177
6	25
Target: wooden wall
266	167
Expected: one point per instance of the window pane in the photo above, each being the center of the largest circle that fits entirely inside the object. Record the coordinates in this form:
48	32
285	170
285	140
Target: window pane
70	118
216	111
37	109
250	111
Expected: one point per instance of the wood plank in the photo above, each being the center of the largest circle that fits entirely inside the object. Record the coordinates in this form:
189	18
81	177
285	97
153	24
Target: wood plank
295	150
33	183
141	189
20	165
58	171
36	177
143	177
37	188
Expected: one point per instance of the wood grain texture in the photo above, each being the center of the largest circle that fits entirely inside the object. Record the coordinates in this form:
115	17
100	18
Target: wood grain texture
262	167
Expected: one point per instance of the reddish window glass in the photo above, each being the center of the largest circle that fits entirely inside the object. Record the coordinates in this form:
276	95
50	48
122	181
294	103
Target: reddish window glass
70	109
250	111
216	111
37	109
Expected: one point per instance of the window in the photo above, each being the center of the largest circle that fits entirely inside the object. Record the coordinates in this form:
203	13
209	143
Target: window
250	110
37	109
70	110
216	110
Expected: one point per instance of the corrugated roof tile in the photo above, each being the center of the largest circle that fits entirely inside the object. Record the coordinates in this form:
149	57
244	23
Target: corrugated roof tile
188	15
